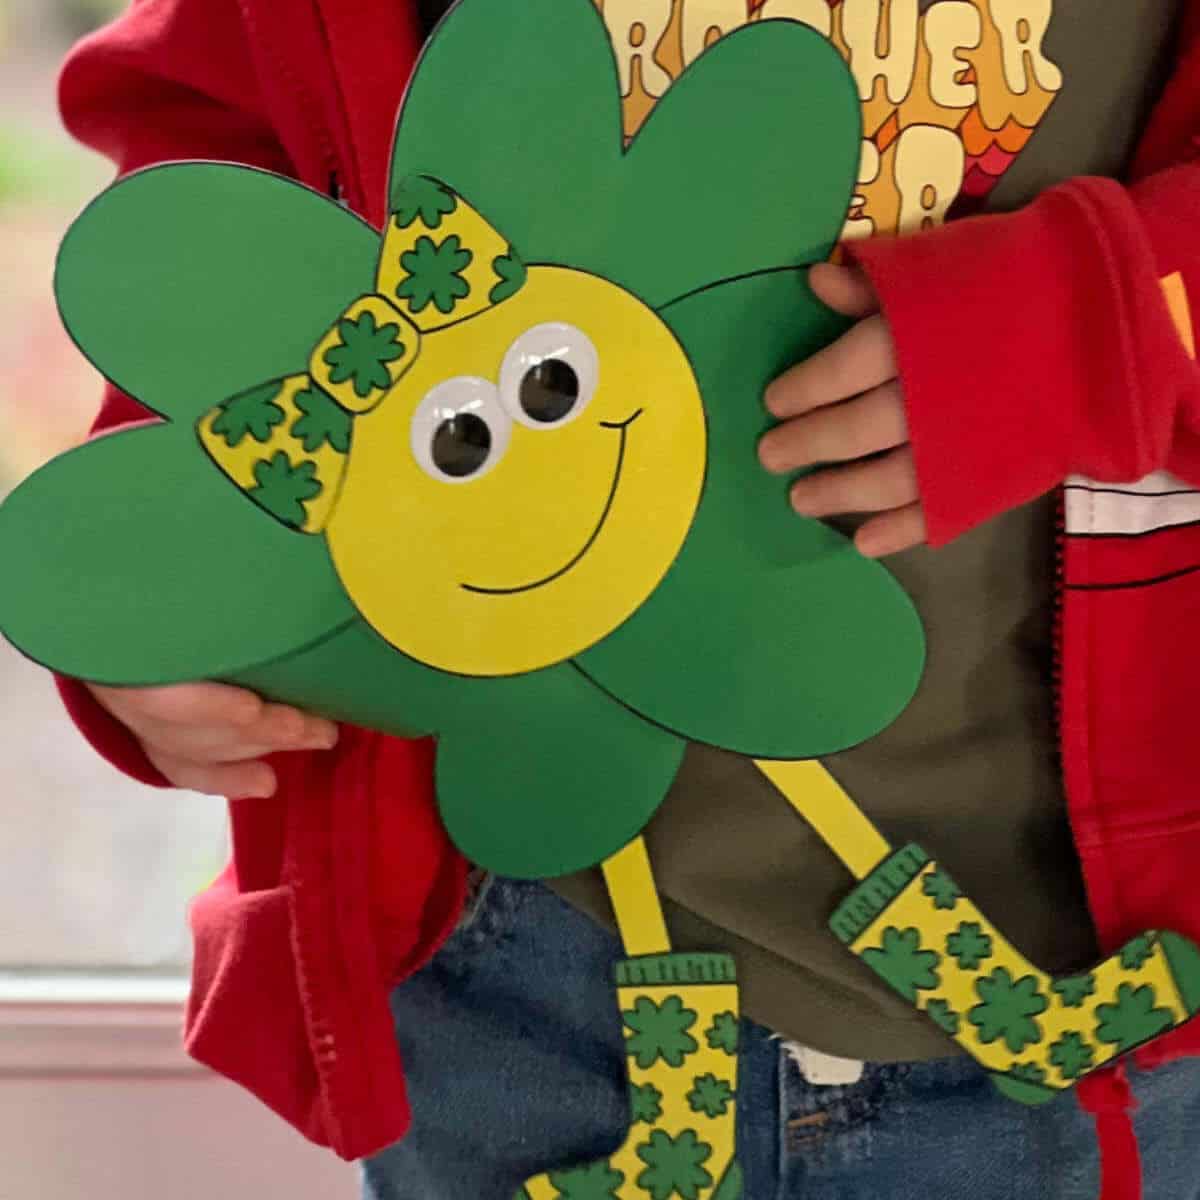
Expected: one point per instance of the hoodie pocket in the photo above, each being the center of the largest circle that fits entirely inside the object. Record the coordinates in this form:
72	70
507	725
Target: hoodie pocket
245	1016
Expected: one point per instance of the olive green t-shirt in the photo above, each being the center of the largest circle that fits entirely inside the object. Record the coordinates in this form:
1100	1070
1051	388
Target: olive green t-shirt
970	770
1043	90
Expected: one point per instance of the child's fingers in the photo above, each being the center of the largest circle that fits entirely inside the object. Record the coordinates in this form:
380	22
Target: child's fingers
236	780
194	703
847	290
861	359
279	729
282	728
209	722
853	429
216	746
893	532
877	485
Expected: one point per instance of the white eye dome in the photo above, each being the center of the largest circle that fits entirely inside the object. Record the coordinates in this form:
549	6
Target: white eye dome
460	430
549	375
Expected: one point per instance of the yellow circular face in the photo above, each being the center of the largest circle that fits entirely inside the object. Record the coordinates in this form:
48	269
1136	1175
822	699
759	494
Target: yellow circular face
528	483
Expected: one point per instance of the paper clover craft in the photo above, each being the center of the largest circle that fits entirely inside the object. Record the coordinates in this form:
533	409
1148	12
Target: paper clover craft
490	475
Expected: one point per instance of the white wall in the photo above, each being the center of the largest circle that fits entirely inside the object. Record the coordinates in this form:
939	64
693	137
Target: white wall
154	1139
97	1102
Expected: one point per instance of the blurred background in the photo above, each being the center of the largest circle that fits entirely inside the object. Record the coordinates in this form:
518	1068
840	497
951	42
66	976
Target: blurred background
96	1096
94	870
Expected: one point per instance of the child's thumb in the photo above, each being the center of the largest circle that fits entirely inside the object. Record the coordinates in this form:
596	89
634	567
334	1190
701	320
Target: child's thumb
847	290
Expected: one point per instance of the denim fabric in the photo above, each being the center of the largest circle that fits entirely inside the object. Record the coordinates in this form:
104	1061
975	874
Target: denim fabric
513	1050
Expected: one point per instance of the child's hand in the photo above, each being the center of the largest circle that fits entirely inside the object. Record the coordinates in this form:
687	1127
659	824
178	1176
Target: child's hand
845	405
207	737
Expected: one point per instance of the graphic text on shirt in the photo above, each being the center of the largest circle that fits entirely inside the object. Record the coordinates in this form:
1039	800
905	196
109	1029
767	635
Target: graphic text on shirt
950	95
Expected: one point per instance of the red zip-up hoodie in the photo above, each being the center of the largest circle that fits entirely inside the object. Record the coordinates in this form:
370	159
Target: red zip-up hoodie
345	883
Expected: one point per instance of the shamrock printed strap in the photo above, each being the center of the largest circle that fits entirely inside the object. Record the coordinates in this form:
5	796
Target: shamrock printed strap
681	1019
442	262
286	443
913	926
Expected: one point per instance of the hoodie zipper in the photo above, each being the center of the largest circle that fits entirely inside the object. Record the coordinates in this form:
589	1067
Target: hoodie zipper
307	103
337	177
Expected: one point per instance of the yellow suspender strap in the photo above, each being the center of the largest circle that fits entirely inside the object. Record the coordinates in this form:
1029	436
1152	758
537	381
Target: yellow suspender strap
635	901
820	800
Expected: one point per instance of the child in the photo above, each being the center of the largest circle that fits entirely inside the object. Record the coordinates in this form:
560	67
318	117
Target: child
990	360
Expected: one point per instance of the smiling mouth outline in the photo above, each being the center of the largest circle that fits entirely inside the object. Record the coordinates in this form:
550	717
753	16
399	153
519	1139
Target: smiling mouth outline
623	426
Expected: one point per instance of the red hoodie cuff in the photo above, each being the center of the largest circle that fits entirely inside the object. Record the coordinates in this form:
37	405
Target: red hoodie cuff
108	737
1031	346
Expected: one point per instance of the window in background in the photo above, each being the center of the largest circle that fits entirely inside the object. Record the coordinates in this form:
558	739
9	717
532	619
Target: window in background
95	871
96	1096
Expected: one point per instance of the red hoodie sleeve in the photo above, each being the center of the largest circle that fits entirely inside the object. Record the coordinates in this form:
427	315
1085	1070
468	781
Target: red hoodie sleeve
168	80
1038	344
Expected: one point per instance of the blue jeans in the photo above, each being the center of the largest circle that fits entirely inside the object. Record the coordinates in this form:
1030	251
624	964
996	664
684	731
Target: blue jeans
514	1054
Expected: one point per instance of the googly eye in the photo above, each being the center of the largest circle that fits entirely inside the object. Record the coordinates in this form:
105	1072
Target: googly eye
549	375
460	430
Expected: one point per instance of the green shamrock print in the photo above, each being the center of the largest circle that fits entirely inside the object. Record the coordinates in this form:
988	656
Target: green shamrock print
969	945
722	1034
1134	954
1133	1019
902	963
845	618
943	1015
425	198
1028	1072
1075	990
674	1166
365	350
596	1181
321	423
660	1031
282	489
1007	1008
645	1101
1072	1055
435	274
252	414
511	270
710	1095
942	889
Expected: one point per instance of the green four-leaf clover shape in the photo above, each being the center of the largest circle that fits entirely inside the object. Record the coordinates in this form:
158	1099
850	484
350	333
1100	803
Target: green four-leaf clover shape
769	636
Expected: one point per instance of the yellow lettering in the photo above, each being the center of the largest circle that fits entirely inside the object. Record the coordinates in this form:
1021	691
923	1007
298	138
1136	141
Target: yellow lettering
1022	26
637	26
814	13
858	224
950	27
881	38
930	162
704	21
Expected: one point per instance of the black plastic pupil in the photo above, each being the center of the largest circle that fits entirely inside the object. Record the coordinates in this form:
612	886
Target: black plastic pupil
461	445
549	391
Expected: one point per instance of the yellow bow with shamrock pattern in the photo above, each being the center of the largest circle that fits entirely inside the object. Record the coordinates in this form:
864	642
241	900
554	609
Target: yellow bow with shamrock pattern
286	443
